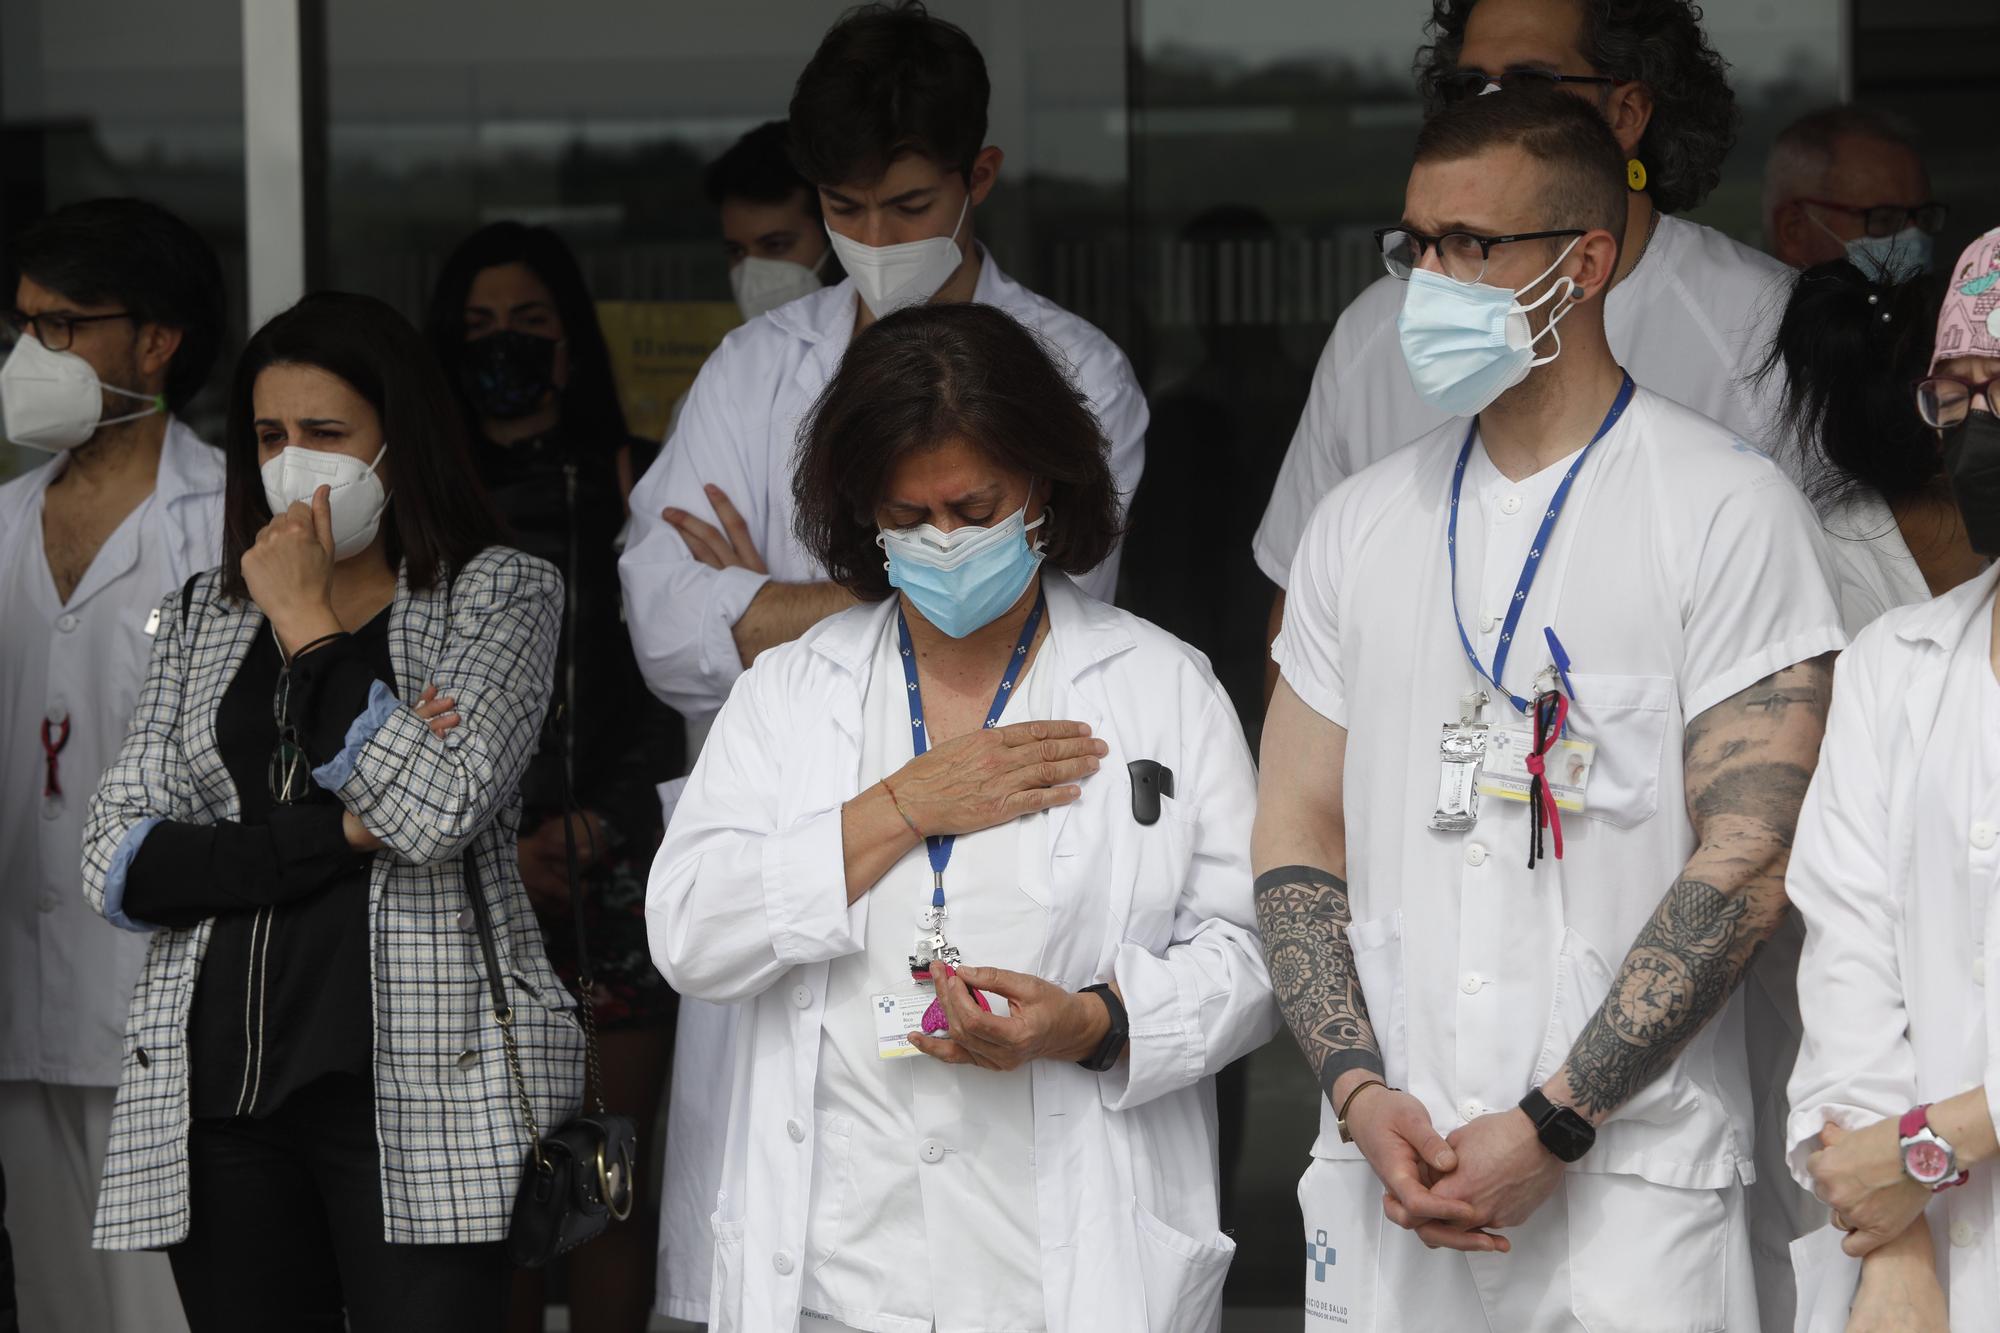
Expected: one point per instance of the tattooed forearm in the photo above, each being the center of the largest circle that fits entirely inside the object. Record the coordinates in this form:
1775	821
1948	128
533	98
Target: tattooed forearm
1747	762
1678	975
1303	914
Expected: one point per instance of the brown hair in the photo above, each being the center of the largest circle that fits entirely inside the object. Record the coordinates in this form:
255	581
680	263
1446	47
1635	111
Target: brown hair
929	375
1580	159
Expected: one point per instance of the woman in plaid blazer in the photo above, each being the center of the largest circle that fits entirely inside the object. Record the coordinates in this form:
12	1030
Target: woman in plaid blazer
315	1115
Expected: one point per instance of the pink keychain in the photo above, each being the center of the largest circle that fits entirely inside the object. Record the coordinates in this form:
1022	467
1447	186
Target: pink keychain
934	1023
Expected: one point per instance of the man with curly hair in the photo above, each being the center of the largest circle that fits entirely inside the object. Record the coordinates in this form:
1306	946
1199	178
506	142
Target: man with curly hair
1689	311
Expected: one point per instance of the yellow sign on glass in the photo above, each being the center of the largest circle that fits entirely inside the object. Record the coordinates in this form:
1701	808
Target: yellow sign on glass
656	348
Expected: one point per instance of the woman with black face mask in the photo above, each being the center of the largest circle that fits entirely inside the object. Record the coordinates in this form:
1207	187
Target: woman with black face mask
514	325
1895	870
1849	348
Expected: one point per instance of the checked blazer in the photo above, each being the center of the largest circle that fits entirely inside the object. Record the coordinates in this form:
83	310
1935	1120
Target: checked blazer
446	1116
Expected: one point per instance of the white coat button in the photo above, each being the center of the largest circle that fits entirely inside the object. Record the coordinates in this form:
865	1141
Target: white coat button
1475	854
1470	985
1487	624
1962	1235
56	715
48	905
796	1130
1979	971
932	1151
782	1261
66	623
1511	505
1984	835
802	997
1473	1110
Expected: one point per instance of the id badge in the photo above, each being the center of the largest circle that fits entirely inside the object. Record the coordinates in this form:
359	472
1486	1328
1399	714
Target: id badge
1505	776
897	1015
1462	753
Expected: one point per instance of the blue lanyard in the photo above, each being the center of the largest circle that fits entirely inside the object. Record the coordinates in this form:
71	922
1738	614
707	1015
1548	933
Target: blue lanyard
1533	564
939	845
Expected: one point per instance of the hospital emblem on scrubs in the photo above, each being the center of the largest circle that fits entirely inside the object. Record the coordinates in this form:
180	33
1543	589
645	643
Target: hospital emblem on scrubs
1319	1256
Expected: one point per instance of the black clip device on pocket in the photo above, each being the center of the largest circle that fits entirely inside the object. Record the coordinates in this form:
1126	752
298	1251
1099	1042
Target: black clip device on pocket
1150	781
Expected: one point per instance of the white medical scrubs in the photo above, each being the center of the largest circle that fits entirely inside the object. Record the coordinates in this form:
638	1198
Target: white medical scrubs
1895	872
923	1192
1683	569
67	976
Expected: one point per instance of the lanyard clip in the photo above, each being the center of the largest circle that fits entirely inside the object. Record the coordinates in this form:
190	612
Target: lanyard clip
1469	705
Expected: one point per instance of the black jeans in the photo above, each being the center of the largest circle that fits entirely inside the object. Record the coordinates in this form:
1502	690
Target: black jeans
286	1231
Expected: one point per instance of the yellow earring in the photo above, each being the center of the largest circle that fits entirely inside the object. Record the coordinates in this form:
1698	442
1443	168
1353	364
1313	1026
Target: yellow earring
1635	173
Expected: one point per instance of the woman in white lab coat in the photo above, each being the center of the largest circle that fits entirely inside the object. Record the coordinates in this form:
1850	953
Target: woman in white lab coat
1895	871
980	767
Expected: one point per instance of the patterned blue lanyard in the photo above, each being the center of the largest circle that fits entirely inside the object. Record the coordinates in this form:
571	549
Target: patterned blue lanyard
939	845
1533	564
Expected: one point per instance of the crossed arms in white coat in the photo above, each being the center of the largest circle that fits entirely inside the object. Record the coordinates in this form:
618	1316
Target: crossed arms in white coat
1747	763
737	899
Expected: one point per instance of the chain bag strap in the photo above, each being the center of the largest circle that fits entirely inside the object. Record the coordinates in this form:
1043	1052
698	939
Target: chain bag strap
581	1177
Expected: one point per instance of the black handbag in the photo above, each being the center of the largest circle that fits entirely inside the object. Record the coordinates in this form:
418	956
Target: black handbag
582	1177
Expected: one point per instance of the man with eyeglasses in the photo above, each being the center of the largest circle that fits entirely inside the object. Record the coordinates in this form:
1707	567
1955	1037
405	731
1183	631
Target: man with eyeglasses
1848	180
117	315
1553	682
1689	310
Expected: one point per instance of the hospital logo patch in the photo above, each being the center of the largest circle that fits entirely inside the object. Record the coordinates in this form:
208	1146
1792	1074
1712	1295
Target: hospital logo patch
1319	1256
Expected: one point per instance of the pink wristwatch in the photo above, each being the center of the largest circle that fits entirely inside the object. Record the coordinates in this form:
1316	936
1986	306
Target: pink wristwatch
1927	1158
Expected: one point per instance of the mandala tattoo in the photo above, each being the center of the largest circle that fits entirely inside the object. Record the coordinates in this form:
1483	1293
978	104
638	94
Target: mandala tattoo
1303	915
1748	761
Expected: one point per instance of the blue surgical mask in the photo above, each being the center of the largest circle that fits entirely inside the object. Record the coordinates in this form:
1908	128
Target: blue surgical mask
964	580
1467	343
1892	259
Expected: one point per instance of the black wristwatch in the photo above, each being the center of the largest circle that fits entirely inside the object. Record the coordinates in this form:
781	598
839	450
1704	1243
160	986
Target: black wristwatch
1562	1131
1115	1037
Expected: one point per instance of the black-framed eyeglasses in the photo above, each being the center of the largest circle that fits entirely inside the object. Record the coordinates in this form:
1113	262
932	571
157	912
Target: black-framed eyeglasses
53	331
1461	254
290	773
1461	84
1943	400
1888	219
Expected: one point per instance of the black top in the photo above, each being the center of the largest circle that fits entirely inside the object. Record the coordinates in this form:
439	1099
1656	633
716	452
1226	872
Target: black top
283	996
559	498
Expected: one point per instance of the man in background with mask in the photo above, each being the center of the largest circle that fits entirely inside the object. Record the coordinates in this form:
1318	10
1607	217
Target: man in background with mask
117	315
771	226
1848	180
888	122
1529	780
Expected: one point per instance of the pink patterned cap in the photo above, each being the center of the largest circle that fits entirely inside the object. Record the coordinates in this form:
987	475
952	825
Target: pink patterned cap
1969	324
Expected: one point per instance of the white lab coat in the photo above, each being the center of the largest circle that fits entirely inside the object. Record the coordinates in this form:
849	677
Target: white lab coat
738	430
1899	930
1691	321
747	903
68	978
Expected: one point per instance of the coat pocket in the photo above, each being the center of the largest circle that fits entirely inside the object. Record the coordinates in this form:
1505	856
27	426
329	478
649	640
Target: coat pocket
1181	1276
832	1185
725	1301
1625	717
1166	854
1377	946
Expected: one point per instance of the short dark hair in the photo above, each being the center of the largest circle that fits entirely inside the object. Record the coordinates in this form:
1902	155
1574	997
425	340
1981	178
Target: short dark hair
888	80
438	517
135	254
758	167
929	375
1659	43
1580	158
1849	347
1803	152
591	413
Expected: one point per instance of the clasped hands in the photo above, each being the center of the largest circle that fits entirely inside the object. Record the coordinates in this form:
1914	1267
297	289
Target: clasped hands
1455	1192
